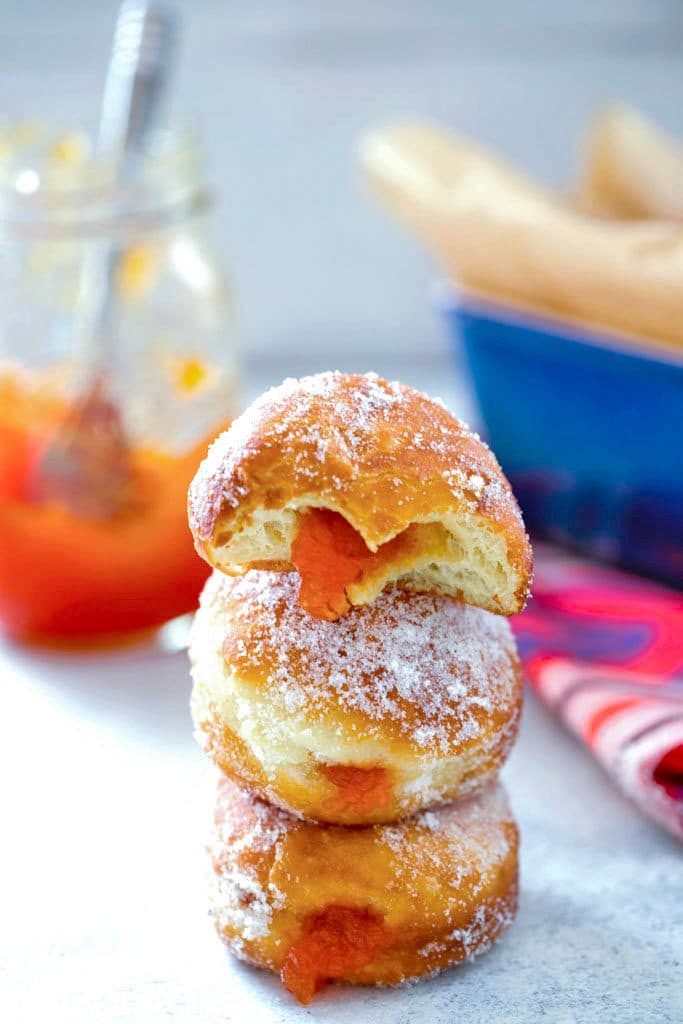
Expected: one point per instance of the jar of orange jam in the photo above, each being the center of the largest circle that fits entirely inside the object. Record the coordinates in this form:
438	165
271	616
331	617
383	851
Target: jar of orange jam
65	576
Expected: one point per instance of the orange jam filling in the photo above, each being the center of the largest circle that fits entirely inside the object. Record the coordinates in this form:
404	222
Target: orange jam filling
329	555
332	944
362	790
65	577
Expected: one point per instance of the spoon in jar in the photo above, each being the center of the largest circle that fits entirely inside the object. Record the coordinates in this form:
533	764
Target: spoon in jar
86	465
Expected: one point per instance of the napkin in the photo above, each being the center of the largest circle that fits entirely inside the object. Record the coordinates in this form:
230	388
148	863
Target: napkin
604	651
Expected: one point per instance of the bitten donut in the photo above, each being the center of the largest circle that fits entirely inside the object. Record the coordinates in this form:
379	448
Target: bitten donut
400	705
358	483
379	905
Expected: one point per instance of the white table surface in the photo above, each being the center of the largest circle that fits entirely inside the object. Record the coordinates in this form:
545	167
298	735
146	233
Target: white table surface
104	806
102	909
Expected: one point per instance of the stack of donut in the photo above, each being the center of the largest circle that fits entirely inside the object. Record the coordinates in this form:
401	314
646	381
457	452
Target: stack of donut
357	683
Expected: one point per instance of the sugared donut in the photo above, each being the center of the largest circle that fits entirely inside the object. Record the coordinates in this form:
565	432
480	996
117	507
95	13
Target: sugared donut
358	483
378	905
398	706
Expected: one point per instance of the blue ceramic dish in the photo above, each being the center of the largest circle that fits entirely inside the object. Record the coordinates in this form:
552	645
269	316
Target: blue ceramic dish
588	427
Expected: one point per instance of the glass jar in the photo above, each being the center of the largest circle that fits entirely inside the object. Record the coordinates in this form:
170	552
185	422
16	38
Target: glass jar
65	576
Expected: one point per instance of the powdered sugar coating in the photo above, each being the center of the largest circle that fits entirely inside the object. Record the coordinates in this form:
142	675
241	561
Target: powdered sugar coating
444	881
475	937
238	895
474	841
379	452
438	673
351	422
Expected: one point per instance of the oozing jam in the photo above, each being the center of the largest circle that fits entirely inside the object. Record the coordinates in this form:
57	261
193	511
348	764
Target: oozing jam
64	577
332	944
329	555
361	790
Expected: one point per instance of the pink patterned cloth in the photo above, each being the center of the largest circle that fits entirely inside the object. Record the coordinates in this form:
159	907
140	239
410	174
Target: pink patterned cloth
604	651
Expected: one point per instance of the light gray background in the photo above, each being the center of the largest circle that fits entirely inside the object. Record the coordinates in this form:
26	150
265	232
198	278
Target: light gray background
283	90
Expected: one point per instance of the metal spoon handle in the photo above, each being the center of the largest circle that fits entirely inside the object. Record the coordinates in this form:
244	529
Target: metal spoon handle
141	59
137	79
87	464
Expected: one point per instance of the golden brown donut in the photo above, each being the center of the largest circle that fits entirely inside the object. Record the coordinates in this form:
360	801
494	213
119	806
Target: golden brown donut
378	905
398	706
358	483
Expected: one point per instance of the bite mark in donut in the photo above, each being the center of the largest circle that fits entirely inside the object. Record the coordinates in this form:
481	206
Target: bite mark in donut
420	489
331	944
363	789
329	555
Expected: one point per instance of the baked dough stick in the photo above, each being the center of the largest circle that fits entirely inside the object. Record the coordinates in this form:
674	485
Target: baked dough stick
632	168
370	906
358	483
404	703
497	231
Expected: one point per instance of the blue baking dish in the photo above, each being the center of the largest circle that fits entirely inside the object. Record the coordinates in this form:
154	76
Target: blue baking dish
587	425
